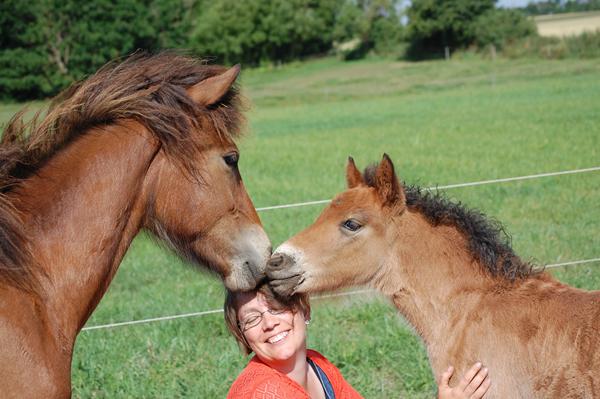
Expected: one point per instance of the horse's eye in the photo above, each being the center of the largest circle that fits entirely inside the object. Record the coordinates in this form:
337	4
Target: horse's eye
351	225
231	159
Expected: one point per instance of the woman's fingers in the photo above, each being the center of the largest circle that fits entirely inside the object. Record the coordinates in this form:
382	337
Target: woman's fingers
476	381
474	384
483	388
469	375
445	379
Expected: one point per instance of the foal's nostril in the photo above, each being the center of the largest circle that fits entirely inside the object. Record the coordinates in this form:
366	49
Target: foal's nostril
276	260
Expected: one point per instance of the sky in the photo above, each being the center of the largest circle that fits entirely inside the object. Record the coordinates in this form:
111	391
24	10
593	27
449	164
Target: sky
513	3
501	3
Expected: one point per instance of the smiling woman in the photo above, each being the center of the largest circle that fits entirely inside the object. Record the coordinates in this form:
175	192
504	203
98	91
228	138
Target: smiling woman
275	330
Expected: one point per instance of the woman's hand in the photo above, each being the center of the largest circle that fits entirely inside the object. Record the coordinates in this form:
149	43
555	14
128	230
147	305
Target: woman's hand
473	385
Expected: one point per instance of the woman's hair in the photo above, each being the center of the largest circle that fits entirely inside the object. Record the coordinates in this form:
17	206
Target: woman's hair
295	303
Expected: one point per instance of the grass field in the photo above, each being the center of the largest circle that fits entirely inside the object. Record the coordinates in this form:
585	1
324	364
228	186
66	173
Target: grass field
568	24
441	123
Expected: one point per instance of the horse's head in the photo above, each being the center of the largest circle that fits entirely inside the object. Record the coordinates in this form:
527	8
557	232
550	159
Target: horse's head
349	242
203	210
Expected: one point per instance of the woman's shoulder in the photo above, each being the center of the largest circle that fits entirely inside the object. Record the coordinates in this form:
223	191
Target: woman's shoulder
255	376
258	380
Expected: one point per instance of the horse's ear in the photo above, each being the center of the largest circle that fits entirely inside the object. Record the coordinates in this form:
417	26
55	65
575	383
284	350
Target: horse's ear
388	187
211	90
353	176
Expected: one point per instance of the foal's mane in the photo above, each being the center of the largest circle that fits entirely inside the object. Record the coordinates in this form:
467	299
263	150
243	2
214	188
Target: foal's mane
488	242
150	89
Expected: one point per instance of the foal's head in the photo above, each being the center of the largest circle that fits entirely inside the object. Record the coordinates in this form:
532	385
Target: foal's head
349	241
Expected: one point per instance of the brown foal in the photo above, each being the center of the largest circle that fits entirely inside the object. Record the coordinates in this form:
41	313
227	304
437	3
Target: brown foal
147	143
453	275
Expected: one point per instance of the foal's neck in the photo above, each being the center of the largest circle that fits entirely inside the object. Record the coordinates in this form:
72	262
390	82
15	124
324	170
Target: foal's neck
82	210
428	269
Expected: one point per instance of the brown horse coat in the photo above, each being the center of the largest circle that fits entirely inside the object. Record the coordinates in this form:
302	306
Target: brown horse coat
147	143
452	274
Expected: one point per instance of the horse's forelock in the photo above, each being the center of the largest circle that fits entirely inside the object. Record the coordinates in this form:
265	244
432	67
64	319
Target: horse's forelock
369	175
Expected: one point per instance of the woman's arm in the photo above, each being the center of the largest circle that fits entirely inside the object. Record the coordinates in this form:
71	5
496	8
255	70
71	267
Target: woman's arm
474	384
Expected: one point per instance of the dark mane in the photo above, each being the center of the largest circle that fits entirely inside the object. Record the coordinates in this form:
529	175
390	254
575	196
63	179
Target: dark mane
489	243
150	89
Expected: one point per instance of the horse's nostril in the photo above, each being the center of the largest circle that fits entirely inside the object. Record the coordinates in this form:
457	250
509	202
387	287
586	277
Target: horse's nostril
276	260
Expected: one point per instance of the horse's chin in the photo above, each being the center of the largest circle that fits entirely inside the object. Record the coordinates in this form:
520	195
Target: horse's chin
245	284
247	266
244	276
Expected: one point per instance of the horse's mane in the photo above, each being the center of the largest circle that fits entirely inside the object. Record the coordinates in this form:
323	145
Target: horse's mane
488	242
150	89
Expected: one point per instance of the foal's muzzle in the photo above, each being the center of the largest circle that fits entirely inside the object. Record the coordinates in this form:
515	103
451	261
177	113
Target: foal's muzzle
278	261
284	274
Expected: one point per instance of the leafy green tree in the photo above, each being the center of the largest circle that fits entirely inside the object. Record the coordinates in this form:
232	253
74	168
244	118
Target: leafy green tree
560	6
47	44
500	26
350	22
263	30
22	59
256	31
386	30
79	37
370	25
435	24
171	22
230	31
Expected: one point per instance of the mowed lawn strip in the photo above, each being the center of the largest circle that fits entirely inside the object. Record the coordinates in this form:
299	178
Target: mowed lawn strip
441	123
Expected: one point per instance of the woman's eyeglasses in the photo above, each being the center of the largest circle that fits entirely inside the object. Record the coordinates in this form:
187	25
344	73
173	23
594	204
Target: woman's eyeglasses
253	319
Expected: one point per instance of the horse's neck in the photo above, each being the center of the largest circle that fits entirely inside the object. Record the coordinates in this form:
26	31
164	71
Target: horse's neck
427	267
82	210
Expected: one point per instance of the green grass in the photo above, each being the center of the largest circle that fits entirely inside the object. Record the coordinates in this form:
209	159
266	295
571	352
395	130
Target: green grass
442	123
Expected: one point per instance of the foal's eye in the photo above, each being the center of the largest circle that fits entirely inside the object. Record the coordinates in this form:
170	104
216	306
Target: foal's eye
231	159
351	225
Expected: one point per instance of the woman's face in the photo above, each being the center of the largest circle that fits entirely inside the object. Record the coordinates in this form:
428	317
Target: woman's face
276	338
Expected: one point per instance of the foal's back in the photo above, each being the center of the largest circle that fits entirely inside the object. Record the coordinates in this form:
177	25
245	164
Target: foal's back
542	340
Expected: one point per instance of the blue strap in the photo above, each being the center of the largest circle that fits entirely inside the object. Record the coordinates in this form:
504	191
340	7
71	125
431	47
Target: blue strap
325	383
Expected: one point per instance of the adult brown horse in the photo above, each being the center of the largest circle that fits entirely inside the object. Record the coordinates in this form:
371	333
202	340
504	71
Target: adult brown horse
452	274
147	143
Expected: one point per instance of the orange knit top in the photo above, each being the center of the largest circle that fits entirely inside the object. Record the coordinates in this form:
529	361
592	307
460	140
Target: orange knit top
259	381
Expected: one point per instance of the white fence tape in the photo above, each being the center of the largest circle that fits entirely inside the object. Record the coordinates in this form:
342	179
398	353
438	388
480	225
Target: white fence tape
469	184
339	294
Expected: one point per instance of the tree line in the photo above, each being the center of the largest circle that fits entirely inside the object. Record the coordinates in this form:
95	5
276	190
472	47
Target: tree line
47	44
560	6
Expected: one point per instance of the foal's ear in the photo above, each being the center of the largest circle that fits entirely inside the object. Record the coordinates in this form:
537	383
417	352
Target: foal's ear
211	90
388	187
353	176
